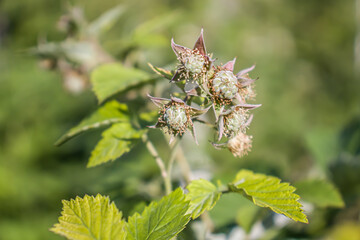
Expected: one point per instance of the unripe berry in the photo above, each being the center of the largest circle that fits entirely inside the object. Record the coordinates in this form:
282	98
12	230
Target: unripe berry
236	122
194	63
175	117
225	84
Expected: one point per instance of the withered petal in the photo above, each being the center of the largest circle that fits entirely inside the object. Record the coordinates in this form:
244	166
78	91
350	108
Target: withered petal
244	71
247	106
229	66
246	81
176	76
221	127
249	120
178	100
241	105
217	113
194	135
219	146
178	49
200	44
198	111
158	101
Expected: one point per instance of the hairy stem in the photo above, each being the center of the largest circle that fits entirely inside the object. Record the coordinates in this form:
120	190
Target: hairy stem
152	150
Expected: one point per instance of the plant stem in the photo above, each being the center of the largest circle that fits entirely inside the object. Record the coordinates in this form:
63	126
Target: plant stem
181	160
184	165
171	160
152	150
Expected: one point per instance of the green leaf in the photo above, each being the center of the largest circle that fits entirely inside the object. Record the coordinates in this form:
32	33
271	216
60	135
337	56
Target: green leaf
116	141
225	210
267	191
147	28
111	112
203	195
162	72
161	220
105	21
90	218
320	193
247	214
113	78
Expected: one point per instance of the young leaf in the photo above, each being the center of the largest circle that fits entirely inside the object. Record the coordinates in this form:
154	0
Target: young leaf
162	72
267	191
203	195
90	218
113	78
161	220
319	192
116	141
111	112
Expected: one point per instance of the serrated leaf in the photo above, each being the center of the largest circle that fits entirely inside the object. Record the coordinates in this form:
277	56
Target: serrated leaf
111	112
113	78
320	193
267	191
161	220
203	195
116	141
162	72
90	218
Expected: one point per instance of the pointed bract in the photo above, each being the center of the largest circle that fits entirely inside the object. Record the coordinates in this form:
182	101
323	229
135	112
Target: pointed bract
245	71
229	66
178	49
200	44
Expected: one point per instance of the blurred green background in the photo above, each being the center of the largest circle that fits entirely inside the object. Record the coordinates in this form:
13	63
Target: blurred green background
308	125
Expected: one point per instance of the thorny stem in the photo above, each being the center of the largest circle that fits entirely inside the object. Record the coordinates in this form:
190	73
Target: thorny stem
152	150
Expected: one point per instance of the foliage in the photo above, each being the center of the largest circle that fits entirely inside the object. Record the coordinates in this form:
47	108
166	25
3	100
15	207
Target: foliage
320	193
116	141
160	220
111	112
113	78
268	192
203	195
166	218
90	218
296	137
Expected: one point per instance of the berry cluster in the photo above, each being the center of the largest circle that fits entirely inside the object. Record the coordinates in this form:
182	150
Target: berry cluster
210	86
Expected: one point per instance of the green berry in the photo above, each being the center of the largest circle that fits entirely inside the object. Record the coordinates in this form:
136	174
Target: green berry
194	63
225	84
175	117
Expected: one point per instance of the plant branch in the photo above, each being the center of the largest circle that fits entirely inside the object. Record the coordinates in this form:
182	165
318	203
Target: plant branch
152	150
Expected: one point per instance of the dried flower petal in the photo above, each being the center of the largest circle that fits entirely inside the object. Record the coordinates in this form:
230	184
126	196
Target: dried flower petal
240	145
